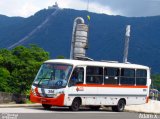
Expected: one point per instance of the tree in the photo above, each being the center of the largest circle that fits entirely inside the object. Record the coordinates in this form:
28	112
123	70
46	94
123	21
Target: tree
19	67
4	76
60	57
156	81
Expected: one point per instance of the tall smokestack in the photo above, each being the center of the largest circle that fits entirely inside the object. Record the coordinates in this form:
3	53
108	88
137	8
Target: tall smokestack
126	47
79	39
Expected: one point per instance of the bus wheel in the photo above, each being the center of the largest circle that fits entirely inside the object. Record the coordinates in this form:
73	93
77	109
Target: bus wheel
120	106
46	106
94	107
75	104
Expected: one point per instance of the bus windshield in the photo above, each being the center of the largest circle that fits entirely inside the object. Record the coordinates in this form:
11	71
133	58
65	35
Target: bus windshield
53	75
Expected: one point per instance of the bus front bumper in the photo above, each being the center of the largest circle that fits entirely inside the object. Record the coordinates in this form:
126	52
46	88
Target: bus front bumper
58	101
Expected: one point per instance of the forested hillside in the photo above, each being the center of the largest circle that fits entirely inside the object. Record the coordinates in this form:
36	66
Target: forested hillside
106	35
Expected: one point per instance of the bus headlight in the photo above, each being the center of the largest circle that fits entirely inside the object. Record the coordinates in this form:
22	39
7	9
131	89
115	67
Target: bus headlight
33	91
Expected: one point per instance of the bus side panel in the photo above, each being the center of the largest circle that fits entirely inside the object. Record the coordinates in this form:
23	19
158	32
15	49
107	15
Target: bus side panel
106	95
111	95
88	95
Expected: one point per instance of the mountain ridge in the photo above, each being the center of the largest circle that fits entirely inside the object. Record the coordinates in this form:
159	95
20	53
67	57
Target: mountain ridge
105	32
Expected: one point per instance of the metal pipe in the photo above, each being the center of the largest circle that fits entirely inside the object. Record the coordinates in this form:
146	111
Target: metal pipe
126	47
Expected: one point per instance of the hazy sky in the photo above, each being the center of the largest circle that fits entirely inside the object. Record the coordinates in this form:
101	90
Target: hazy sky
129	8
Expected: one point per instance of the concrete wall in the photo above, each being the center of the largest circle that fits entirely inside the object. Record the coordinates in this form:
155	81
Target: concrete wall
6	97
9	97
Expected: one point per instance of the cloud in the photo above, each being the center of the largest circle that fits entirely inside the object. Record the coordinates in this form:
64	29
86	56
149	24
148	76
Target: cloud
23	8
82	5
98	8
26	8
132	7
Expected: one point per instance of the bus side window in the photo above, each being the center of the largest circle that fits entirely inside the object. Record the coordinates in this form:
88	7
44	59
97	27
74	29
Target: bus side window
77	76
94	75
127	76
111	75
141	77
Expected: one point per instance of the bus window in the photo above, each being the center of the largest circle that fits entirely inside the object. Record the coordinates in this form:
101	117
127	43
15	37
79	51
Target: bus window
141	77
77	76
127	76
94	75
111	76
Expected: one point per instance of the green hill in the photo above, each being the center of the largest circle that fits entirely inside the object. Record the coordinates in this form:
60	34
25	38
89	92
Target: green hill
106	35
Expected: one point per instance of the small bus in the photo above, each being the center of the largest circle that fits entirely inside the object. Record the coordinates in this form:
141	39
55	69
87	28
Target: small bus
75	83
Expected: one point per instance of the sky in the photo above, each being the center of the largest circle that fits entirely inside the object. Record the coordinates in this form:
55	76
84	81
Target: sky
129	8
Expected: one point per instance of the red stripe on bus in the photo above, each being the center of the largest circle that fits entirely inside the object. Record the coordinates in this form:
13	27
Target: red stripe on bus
114	86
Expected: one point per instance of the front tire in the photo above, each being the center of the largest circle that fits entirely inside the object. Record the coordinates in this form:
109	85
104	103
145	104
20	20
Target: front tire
46	106
75	104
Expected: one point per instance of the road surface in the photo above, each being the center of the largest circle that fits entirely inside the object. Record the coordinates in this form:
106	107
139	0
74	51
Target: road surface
64	113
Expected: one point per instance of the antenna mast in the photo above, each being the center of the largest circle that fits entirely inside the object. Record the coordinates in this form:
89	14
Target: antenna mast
88	5
126	47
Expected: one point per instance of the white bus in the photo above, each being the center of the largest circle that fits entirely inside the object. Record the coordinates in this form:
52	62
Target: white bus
75	83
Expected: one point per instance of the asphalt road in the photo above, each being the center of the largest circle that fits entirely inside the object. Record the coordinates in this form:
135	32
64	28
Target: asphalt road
64	113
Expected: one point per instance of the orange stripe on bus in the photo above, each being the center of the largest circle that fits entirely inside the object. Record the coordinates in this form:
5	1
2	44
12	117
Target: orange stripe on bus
114	86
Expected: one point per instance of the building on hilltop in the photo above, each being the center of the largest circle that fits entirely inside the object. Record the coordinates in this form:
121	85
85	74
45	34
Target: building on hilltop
53	6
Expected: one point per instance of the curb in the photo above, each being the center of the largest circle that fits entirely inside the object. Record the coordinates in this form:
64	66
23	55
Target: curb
19	105
152	107
142	112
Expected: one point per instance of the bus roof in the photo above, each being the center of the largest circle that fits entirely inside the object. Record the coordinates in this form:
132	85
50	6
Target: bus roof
97	63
